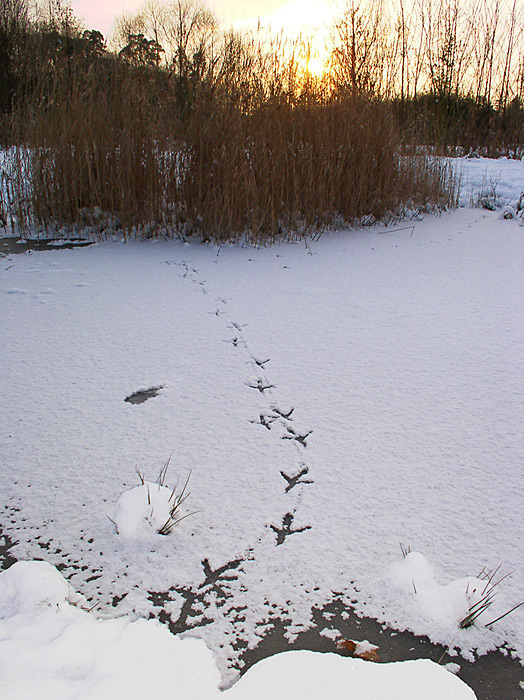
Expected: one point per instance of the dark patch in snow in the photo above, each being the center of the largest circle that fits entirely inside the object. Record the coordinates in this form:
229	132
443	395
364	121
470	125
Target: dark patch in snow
118	599
15	245
143	395
191	615
495	675
213	575
6	544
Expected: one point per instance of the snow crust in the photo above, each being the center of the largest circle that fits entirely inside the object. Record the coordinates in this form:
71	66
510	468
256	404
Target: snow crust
52	649
331	400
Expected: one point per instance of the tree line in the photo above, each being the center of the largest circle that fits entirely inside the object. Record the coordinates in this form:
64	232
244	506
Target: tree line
451	71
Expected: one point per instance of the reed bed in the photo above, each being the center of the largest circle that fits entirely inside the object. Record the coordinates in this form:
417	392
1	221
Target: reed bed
252	150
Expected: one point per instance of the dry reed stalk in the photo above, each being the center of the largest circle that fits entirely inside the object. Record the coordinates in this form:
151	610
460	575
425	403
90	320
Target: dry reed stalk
248	157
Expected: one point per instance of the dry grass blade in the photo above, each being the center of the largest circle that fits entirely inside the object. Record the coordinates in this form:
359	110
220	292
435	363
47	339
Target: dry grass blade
171	523
405	550
487	596
163	472
515	607
176	500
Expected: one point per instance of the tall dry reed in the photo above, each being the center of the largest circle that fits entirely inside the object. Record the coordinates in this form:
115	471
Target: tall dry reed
113	146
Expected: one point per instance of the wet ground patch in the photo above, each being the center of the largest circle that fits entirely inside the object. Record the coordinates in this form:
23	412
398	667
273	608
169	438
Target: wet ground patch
14	245
495	676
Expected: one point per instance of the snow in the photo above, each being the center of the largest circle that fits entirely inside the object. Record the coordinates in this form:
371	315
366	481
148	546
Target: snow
444	604
330	401
51	648
149	510
500	179
305	674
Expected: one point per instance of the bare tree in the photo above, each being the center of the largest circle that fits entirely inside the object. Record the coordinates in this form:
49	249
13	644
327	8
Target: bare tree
357	59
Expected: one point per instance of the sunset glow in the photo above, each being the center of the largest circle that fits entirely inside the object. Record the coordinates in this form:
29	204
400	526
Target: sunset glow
293	18
303	22
316	65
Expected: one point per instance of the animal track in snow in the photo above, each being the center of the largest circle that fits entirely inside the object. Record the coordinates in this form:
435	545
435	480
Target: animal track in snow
282	414
261	363
261	386
296	436
235	342
265	420
286	530
221	583
293	481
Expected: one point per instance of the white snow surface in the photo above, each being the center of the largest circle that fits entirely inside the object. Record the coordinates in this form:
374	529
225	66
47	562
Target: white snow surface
444	604
400	351
54	650
498	178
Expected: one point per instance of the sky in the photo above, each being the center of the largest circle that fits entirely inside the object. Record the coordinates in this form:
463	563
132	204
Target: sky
292	15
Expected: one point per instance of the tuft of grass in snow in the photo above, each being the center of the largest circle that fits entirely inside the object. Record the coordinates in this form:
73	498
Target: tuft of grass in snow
176	500
486	598
488	197
151	507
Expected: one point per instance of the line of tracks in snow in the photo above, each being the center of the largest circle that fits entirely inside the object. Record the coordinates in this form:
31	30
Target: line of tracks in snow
221	583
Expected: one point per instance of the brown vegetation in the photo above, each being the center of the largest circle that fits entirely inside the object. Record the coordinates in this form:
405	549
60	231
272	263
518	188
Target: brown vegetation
183	130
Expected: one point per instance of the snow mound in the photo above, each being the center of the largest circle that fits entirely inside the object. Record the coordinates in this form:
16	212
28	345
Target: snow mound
296	675
29	586
451	604
53	650
147	510
64	652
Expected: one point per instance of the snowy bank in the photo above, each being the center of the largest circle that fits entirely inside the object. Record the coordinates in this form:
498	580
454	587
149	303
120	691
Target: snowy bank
51	648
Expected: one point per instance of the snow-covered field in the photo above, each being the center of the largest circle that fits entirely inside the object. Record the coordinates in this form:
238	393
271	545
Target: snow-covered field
329	401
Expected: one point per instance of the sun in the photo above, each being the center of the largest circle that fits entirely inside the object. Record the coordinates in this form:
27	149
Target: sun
315	65
305	25
307	22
